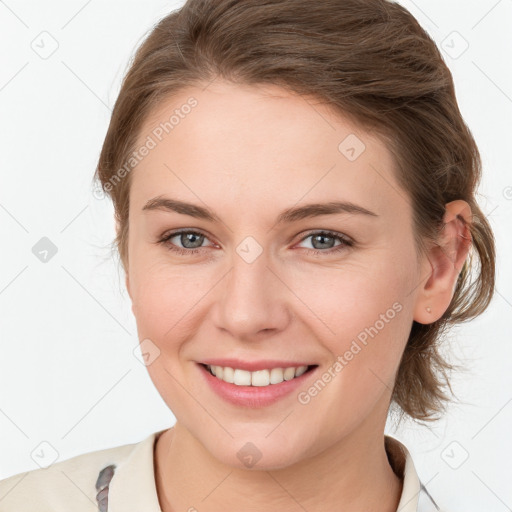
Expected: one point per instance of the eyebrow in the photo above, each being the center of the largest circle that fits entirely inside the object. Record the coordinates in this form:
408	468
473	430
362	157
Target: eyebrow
287	216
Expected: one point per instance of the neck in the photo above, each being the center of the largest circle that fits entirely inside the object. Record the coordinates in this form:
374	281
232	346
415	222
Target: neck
352	475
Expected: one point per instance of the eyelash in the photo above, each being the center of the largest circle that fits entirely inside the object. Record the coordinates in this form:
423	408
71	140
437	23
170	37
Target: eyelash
345	242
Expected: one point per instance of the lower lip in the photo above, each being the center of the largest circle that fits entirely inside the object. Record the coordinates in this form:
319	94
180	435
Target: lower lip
254	396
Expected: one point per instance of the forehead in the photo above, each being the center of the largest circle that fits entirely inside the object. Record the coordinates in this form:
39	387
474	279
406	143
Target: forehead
264	144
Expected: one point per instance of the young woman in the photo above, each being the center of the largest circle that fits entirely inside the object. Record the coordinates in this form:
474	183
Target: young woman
294	189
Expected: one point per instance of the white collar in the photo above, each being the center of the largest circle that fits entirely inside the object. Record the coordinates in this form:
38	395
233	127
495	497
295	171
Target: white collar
133	486
415	497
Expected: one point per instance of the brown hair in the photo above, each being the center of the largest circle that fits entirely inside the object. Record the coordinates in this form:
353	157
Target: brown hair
369	60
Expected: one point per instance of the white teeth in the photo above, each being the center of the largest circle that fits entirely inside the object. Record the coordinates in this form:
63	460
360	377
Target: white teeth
300	370
242	378
228	375
289	373
276	376
258	378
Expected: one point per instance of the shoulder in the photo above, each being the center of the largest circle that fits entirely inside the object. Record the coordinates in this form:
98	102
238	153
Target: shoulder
66	484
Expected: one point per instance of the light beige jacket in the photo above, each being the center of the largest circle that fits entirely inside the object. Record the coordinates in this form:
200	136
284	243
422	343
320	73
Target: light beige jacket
71	485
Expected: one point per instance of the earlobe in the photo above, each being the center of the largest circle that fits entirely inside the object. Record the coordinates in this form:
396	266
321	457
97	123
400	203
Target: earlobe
446	259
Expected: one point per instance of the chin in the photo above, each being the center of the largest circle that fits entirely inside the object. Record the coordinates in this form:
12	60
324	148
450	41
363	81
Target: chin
257	450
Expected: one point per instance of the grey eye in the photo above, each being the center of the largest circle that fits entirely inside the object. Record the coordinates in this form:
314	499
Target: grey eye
191	240
322	241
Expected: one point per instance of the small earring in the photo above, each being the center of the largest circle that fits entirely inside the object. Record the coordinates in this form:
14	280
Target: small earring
429	310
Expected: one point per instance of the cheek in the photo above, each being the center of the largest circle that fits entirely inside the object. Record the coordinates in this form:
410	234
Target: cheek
166	301
166	307
365	324
353	295
363	313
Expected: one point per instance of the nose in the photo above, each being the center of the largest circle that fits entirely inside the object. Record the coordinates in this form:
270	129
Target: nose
252	300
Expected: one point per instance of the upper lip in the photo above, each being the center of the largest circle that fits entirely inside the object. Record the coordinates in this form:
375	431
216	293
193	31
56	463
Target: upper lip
252	366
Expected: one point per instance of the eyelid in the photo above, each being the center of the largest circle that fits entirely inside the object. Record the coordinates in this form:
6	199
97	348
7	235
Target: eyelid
346	241
345	244
327	232
167	235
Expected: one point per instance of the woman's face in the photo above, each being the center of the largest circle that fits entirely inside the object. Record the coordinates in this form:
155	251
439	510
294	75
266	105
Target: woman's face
254	284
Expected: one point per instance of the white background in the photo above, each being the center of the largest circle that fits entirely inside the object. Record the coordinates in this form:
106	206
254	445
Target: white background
68	374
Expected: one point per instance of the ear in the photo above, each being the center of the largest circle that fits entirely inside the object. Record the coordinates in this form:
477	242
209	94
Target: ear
444	262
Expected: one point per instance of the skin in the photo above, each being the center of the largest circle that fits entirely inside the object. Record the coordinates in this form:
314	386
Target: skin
248	153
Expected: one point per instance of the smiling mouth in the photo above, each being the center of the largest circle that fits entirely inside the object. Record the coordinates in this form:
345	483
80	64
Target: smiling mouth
260	378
